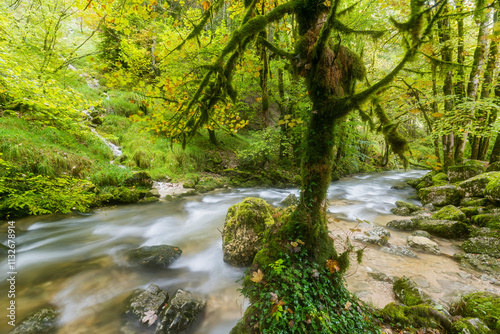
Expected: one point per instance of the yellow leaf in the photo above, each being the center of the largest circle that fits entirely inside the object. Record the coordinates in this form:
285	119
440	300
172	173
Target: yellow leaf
437	114
332	265
257	276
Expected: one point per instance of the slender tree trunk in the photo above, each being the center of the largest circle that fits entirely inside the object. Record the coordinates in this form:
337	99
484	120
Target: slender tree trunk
460	139
495	154
435	109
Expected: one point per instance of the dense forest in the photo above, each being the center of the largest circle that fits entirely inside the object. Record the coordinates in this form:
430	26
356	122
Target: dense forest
99	99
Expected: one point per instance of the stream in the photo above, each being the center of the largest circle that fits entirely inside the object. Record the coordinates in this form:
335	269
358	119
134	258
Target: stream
77	262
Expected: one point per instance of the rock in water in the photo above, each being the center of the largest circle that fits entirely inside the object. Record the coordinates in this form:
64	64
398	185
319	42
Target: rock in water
42	321
423	244
243	226
160	256
152	299
182	311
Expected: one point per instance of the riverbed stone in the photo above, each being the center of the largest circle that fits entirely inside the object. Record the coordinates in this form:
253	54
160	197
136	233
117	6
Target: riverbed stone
423	244
290	200
139	179
378	236
43	321
479	262
483	245
440	196
465	171
151	299
420	233
242	231
159	256
403	211
401	224
409	293
398	250
475	186
449	212
445	228
181	313
492	190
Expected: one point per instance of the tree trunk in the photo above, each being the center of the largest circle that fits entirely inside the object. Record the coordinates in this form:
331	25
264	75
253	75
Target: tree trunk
495	154
212	137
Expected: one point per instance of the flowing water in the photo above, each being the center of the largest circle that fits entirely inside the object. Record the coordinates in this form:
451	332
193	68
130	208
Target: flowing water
77	263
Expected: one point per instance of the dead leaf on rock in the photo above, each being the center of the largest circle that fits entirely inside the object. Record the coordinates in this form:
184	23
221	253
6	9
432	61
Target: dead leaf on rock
149	317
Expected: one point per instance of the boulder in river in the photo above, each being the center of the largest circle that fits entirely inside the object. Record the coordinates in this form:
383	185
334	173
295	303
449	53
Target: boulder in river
376	236
465	171
423	244
160	256
139	179
492	190
487	219
402	224
244	224
398	250
479	262
42	321
144	301
450	229
182	311
449	212
411	207
474	201
474	187
408	292
482	245
439	196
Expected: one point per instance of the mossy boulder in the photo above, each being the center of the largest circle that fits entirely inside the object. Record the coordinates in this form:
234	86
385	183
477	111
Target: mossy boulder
151	299
470	326
445	228
494	167
465	171
470	211
422	182
422	243
377	236
408	292
474	201
479	262
439	196
402	224
492	190
487	219
181	313
482	305
419	316
159	256
449	212
43	321
245	222
420	233
290	200
139	179
482	245
475	186
124	195
405	209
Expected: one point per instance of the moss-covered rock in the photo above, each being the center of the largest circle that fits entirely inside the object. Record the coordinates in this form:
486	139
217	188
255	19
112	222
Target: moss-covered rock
445	228
475	186
465	171
494	167
487	219
479	262
290	200
408	292
124	195
160	256
470	211
449	212
474	201
470	326
420	233
422	182
402	224
243	227
440	179
139	179
151	299
411	207
419	316
377	236
482	305
422	243
439	196
492	190
181	313
42	321
482	245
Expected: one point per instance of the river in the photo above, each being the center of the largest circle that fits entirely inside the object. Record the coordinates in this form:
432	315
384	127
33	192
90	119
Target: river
77	262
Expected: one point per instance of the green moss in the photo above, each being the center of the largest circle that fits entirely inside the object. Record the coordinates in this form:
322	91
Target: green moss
492	190
486	219
469	326
482	305
483	245
418	316
408	292
449	212
465	171
445	228
439	196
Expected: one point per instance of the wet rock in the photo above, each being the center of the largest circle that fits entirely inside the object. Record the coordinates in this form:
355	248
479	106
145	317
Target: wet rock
439	196
403	211
465	171
409	293
475	186
420	233
160	256
449	212
402	224
290	200
445	228
469	326
376	236
182	311
399	186
42	321
242	229
139	179
492	190
479	262
423	182
423	244
381	277
151	299
411	207
398	250
482	245
154	193
494	167
482	305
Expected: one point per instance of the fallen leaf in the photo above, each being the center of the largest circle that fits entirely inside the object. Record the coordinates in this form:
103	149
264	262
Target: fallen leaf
149	317
332	265
257	276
